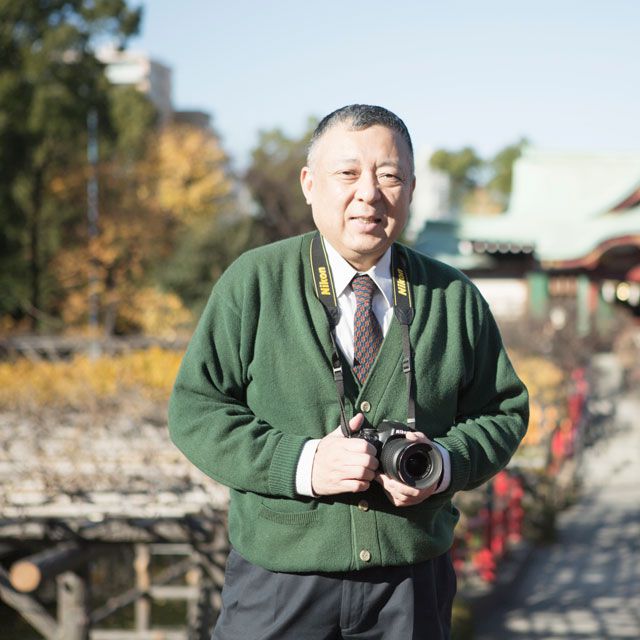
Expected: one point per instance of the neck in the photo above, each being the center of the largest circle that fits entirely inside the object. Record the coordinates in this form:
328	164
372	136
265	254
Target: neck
362	266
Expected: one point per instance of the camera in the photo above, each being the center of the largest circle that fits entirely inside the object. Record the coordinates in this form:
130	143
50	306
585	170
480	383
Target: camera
417	464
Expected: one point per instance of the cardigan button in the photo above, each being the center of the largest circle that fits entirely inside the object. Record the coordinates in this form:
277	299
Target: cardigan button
365	555
363	505
365	407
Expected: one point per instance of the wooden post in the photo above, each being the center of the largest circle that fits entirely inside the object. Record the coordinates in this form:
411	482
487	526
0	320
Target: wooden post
73	620
583	319
215	567
29	608
132	595
194	579
142	607
29	573
538	294
201	610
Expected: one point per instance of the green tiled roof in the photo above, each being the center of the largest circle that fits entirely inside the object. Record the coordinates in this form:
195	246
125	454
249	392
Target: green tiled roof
561	205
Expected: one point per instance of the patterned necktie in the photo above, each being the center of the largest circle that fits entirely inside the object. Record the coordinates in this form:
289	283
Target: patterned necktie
367	334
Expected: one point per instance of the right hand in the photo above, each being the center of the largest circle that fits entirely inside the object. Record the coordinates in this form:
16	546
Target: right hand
343	465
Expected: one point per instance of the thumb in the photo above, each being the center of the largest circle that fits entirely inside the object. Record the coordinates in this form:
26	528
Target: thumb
354	425
356	422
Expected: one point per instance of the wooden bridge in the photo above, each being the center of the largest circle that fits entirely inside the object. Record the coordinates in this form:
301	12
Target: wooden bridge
36	347
76	489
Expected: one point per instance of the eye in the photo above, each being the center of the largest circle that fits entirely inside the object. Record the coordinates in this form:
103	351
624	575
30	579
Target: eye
390	178
347	174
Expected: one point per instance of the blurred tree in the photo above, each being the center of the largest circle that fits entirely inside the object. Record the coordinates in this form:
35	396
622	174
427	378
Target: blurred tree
189	169
132	117
274	181
148	207
501	166
479	185
205	250
463	168
49	81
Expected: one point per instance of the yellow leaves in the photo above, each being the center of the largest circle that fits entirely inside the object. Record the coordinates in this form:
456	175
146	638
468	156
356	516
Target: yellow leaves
543	378
190	172
156	313
146	204
81	383
547	385
147	310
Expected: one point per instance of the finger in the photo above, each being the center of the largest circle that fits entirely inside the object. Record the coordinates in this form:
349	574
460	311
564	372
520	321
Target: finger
354	425
417	436
402	501
398	489
353	486
359	473
350	464
348	448
363	460
393	499
356	422
356	445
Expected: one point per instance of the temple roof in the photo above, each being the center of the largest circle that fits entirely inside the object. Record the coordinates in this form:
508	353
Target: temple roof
564	205
573	186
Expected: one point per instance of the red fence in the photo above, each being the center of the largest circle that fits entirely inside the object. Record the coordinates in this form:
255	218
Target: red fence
498	523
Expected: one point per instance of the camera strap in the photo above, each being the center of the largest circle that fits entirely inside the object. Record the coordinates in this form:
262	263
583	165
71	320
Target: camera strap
402	307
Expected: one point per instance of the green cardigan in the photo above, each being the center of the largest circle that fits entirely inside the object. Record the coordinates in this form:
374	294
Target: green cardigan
256	384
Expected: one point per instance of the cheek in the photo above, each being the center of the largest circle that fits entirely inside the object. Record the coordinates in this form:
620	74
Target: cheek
399	206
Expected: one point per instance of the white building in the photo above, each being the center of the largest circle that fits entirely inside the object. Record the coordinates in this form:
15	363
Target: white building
137	69
431	197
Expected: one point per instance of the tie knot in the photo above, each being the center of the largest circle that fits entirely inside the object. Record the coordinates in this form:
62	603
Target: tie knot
363	286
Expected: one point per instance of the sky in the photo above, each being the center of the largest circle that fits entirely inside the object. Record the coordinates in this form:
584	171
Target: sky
563	73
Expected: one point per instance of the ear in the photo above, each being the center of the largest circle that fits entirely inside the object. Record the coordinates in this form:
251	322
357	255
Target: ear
413	188
306	182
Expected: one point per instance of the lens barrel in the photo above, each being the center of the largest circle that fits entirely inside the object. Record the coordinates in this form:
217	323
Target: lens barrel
414	463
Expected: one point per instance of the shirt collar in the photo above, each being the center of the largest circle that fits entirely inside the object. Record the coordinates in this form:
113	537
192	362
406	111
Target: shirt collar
343	272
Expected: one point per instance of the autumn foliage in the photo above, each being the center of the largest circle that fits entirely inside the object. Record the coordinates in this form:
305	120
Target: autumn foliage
178	184
547	385
83	383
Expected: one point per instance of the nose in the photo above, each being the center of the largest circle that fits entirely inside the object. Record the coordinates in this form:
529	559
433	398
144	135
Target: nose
367	188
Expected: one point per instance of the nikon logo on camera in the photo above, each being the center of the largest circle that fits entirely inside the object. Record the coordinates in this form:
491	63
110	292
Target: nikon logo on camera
401	281
323	281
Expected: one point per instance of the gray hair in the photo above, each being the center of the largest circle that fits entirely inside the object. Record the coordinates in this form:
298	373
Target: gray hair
358	117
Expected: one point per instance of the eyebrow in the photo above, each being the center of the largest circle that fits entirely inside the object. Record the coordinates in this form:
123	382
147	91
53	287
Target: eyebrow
384	163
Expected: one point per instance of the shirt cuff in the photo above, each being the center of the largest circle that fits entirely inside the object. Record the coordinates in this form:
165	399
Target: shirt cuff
305	467
446	469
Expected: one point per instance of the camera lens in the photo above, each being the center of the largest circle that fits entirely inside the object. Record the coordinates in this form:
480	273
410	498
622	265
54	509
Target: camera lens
417	465
414	463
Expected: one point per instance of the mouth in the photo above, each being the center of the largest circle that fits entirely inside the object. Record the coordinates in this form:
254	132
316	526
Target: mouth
367	221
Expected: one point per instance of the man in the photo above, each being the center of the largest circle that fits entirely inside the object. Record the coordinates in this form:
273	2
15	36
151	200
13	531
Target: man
310	333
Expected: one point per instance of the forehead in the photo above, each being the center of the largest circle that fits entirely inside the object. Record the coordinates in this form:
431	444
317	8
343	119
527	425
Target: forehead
374	144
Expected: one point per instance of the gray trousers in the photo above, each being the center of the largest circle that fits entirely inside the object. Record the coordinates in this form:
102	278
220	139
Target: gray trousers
386	603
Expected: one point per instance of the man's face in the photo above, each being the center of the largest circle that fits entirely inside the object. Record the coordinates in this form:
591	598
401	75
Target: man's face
359	185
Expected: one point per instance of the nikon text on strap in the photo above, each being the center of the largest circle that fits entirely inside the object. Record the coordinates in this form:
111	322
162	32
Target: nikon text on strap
402	307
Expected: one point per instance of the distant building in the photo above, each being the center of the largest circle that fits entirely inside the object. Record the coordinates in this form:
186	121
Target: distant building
572	228
431	197
138	70
200	119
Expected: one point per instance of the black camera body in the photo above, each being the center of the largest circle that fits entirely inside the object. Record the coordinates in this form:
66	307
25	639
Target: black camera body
417	464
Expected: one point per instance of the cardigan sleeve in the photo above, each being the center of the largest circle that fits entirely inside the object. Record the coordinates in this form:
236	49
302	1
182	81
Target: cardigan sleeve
493	411
209	420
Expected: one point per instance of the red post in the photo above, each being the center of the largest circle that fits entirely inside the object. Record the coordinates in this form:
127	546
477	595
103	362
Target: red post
515	510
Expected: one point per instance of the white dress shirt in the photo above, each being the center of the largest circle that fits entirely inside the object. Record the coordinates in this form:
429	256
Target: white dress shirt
382	306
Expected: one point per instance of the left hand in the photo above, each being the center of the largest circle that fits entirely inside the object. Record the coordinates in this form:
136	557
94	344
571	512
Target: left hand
400	494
